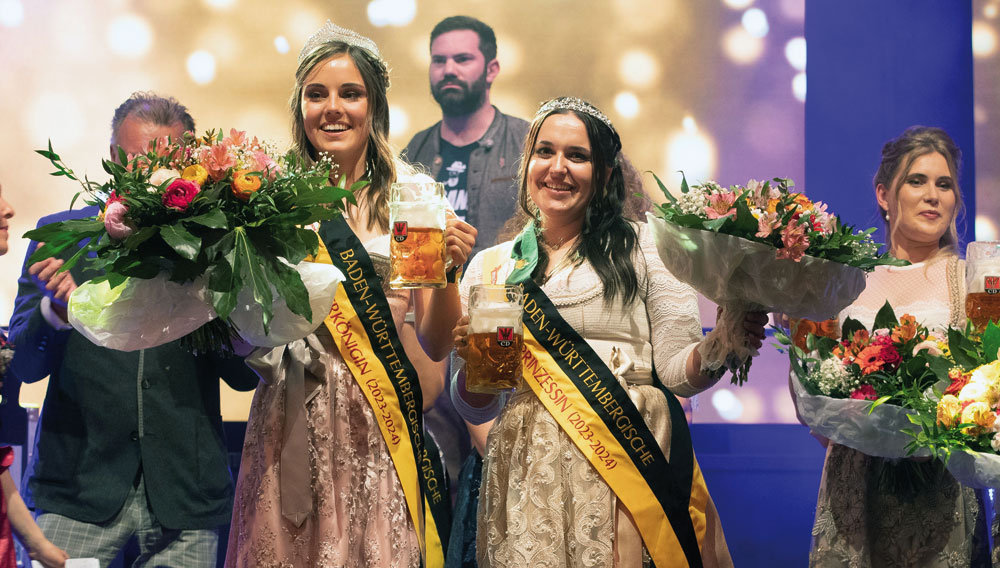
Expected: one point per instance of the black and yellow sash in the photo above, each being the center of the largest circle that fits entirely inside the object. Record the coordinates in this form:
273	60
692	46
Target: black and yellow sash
362	327
668	500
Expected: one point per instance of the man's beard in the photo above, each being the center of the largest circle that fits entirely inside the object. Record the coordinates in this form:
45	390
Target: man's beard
463	101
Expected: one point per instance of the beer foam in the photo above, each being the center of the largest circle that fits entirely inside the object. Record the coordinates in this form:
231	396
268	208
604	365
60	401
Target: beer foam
487	318
419	214
976	279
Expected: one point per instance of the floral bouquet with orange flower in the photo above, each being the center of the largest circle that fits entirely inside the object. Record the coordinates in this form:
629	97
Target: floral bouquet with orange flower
201	237
760	247
864	389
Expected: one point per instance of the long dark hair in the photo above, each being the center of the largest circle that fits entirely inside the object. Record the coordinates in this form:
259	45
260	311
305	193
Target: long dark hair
607	239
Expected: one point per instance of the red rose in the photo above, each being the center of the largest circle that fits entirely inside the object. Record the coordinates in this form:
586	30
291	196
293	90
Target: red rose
179	194
890	356
864	392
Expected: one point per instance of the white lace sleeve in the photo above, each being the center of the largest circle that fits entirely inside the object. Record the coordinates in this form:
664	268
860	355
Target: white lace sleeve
473	275
675	324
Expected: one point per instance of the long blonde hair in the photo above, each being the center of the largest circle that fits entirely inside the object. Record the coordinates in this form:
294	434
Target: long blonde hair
381	164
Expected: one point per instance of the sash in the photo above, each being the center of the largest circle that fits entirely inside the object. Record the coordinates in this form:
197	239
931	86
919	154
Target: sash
667	500
362	327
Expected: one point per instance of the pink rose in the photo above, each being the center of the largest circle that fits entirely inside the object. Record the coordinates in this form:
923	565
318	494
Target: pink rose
864	392
179	194
114	220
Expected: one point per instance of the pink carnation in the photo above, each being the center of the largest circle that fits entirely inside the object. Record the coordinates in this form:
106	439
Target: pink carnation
864	392
114	220
179	194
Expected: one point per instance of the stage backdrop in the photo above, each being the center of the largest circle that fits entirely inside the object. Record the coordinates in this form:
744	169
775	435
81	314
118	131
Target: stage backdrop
714	88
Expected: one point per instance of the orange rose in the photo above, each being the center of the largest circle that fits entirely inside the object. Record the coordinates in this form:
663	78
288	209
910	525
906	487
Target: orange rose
244	184
829	328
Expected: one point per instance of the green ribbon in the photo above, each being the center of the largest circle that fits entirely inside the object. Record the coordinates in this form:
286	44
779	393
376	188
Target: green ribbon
525	255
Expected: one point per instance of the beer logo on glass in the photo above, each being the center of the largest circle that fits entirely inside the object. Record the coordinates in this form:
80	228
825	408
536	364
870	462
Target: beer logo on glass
399	231
992	285
505	336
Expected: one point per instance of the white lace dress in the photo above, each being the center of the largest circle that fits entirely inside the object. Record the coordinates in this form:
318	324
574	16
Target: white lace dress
542	503
860	523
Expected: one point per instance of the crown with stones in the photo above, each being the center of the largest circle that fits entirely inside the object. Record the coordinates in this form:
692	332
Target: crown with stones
573	103
332	32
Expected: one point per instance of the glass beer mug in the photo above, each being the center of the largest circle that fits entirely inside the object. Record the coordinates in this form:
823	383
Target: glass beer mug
417	221
982	283
495	338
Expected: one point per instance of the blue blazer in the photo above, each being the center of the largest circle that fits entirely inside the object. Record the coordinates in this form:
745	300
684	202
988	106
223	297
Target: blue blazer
109	415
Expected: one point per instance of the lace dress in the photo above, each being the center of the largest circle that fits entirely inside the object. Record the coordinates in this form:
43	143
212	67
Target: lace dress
541	502
859	523
360	516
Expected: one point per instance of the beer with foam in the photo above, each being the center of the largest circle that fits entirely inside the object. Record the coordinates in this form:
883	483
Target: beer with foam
495	339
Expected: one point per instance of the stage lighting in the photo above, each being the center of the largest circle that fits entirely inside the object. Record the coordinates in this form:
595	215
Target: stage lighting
741	47
984	39
281	44
986	228
737	4
627	104
638	68
795	53
130	36
799	86
11	13
220	4
391	12
691	151
399	121
201	67
727	404
755	22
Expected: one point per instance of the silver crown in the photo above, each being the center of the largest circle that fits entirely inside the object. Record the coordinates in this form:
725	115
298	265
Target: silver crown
333	32
573	103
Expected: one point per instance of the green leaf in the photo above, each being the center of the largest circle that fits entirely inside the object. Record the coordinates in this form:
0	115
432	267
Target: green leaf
214	219
715	224
182	241
878	403
255	277
684	183
139	237
289	285
849	327
886	318
991	342
663	188
225	279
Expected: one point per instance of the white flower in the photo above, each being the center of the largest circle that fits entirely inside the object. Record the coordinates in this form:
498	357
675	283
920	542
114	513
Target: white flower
995	442
692	203
972	391
832	378
928	345
160	177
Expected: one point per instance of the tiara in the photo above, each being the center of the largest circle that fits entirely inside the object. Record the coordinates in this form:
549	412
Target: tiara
332	32
573	103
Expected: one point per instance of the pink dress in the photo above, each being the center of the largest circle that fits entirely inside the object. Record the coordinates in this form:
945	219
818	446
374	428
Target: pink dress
359	514
7	556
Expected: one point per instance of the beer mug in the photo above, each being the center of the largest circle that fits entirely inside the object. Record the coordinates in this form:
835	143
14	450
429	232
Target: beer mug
417	220
982	283
493	363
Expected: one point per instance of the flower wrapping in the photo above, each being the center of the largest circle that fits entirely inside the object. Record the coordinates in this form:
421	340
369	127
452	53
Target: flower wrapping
742	276
853	423
140	313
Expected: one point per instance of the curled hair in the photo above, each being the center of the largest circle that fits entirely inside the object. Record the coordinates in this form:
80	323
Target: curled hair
487	39
150	107
380	158
898	156
607	240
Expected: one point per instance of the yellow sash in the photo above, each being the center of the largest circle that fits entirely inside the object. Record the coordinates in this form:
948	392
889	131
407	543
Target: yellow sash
363	330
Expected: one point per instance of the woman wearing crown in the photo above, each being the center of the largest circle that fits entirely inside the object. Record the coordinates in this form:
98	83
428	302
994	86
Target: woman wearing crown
590	462
323	480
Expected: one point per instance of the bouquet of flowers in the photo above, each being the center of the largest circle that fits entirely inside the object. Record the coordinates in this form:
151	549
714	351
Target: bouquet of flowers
761	247
203	235
962	429
864	389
